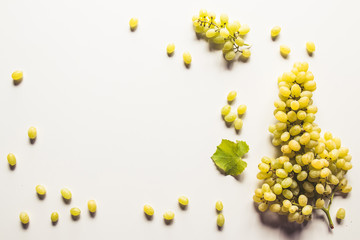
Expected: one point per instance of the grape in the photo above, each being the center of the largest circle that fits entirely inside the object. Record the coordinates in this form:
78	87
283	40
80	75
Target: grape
24	218
183	200
284	50
170	48
310	47
133	23
75	212
54	217
246	53
319	203
307	210
12	159
219	205
92	206
229	56
230	117
302	200
228	46
241	109
220	220
238	123
275	31
187	58
211	33
17	76
312	167
263	207
275	207
340	214
225	110
239	41
244	29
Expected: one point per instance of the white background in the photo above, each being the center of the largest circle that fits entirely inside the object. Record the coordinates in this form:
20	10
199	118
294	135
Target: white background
120	122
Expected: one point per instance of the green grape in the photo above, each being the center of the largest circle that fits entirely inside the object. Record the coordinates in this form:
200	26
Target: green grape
239	41
218	40
230	117
281	173
211	33
287	194
263	167
303	200
287	203
228	46
225	110
277	188
229	56
340	214
286	182
275	207
288	167
263	207
307	210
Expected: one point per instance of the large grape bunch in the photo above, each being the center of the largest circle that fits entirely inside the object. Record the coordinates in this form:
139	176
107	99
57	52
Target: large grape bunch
311	168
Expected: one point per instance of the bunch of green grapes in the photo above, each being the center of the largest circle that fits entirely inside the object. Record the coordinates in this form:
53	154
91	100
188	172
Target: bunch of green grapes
311	168
227	34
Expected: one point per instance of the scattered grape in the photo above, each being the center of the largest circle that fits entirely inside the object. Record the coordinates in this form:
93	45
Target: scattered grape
11	159
92	206
66	194
169	215
17	76
183	200
275	31
32	133
230	117
220	220
241	109
340	214
225	110
187	58
133	23
75	212
148	210
41	190
238	123
284	50
219	206
310	47
54	217
24	218
231	96
170	48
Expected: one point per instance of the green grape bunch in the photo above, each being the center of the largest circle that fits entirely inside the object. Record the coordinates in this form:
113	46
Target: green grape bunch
229	35
311	168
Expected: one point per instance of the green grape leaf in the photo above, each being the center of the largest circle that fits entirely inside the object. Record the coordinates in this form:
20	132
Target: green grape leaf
228	156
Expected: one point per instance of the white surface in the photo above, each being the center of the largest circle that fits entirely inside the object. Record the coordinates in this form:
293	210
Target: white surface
120	122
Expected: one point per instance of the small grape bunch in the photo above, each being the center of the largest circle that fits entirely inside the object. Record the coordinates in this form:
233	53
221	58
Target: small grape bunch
228	35
231	117
311	169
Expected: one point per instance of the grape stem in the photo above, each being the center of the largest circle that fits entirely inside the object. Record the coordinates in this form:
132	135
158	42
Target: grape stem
327	213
